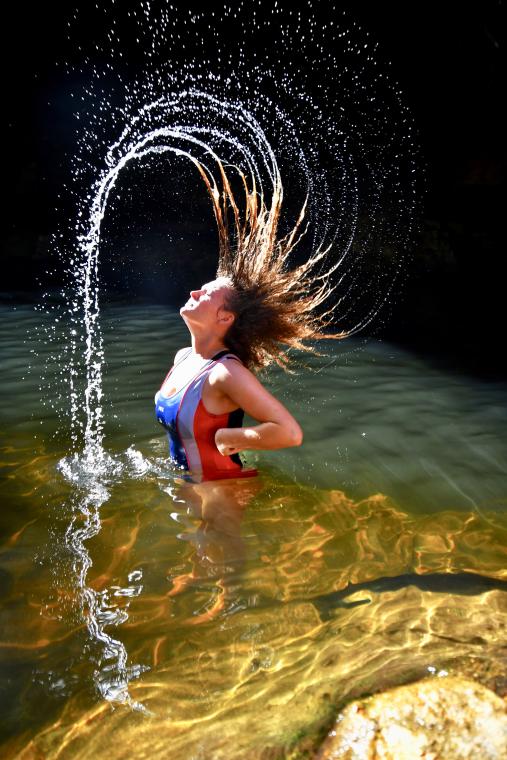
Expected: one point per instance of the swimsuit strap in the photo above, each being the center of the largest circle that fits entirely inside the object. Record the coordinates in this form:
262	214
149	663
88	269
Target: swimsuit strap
182	358
214	358
223	353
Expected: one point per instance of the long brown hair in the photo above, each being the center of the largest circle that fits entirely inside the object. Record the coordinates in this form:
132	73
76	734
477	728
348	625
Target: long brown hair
273	303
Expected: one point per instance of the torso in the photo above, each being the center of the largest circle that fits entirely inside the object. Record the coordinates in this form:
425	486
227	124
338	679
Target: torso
192	410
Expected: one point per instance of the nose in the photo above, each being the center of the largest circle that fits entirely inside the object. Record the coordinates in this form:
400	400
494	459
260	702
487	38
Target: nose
195	294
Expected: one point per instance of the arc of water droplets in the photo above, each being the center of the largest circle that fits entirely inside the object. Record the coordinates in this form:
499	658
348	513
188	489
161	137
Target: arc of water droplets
257	156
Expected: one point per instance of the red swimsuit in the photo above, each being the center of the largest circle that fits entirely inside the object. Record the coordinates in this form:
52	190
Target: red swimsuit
191	428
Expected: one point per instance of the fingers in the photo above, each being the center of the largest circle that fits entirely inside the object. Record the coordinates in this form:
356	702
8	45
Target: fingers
228	451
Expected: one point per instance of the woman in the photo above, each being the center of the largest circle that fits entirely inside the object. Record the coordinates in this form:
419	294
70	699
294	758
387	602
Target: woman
239	323
202	400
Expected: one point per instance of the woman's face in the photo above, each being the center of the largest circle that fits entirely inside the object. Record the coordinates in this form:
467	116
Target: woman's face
206	306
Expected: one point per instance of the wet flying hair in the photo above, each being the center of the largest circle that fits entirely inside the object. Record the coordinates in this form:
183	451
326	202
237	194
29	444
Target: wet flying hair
274	305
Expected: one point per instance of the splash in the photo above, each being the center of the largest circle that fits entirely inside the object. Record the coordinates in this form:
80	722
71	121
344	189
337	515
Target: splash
294	99
99	608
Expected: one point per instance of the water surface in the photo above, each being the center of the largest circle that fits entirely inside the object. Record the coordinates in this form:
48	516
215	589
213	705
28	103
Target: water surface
140	614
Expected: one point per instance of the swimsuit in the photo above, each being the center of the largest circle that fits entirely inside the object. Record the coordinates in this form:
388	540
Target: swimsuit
191	428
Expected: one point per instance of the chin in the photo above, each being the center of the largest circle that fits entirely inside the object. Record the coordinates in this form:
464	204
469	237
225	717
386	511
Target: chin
186	315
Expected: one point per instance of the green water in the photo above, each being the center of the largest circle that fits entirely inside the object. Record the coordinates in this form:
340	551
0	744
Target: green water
143	618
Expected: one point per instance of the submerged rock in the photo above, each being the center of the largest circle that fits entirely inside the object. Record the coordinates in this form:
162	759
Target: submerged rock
446	718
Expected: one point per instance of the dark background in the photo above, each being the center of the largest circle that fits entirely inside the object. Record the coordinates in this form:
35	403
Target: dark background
449	59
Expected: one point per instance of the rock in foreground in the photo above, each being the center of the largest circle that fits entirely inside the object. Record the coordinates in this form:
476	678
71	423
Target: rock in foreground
436	719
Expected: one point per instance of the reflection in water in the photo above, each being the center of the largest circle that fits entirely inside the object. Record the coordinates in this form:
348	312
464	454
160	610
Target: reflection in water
219	550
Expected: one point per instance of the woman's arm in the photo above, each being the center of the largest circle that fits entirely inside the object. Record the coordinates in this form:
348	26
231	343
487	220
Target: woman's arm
277	429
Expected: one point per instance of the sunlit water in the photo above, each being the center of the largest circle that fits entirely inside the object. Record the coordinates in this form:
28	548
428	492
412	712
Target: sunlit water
132	623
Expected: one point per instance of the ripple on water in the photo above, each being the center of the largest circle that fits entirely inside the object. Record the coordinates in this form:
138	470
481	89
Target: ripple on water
324	599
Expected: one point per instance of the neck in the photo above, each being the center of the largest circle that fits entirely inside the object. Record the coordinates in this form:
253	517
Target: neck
206	345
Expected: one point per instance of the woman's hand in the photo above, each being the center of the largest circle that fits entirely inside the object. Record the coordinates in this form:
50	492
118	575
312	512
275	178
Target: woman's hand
225	448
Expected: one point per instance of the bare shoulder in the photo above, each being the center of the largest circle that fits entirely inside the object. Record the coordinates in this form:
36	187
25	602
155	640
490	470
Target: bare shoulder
230	371
234	381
